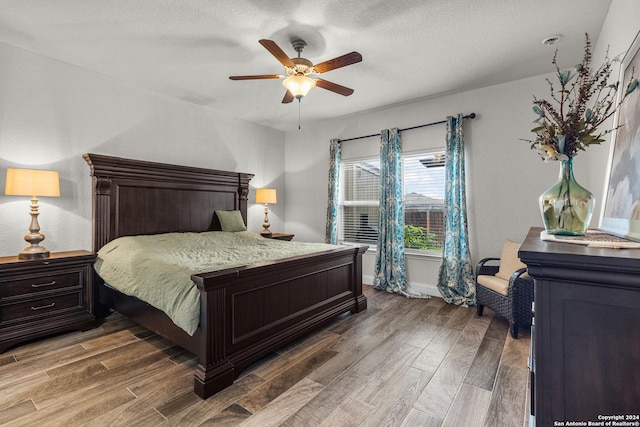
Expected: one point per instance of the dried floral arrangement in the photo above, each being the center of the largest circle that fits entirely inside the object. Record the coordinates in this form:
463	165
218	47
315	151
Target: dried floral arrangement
583	101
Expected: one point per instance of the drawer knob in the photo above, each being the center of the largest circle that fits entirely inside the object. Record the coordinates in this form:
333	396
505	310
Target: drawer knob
53	304
40	285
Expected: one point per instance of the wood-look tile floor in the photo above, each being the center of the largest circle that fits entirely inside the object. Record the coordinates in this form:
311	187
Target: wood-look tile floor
402	362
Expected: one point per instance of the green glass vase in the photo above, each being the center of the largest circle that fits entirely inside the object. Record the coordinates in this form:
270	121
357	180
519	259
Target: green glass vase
566	207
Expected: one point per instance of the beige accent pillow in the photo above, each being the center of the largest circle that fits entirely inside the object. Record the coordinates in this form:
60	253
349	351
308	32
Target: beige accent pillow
231	221
509	261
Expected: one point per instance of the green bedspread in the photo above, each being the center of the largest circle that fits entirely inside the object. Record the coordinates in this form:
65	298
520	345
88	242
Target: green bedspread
158	268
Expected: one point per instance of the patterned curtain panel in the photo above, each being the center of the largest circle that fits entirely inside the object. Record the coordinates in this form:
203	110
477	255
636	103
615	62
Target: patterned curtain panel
390	274
334	186
456	281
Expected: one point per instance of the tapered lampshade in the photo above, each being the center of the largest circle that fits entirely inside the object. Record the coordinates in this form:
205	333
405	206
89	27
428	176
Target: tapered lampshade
266	195
33	183
29	182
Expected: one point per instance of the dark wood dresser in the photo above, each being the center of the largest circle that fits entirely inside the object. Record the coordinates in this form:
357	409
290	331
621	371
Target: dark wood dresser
585	341
45	296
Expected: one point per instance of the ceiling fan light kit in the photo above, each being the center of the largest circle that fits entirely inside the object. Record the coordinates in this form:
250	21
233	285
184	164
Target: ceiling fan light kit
299	85
298	70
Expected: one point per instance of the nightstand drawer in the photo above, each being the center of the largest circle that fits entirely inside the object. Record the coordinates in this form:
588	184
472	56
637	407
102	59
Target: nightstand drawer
39	283
40	307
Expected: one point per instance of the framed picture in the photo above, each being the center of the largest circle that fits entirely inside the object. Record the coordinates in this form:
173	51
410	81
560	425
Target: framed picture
621	210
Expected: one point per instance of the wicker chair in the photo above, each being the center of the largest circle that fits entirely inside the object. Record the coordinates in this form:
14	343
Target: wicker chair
505	288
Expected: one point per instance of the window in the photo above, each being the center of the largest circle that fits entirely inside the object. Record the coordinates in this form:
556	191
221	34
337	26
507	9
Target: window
423	198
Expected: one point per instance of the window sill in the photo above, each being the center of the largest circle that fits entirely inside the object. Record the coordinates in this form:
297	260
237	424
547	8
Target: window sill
409	253
422	254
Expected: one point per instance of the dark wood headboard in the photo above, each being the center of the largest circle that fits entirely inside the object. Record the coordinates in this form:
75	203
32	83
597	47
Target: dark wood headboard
133	197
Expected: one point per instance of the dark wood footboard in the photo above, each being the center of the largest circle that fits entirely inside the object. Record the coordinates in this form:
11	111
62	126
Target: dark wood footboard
250	311
253	310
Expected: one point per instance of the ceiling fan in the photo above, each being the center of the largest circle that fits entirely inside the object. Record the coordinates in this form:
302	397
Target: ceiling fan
297	80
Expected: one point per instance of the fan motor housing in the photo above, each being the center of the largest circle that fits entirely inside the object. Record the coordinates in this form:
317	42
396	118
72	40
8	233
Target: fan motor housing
303	66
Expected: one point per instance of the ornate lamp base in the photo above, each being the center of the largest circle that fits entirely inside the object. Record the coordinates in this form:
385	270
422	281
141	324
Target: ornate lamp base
35	251
265	225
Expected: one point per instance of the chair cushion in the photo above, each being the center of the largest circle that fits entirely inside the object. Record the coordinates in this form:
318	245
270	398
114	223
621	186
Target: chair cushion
509	261
494	283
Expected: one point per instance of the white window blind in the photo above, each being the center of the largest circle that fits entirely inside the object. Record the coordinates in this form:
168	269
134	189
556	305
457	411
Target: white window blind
359	200
423	198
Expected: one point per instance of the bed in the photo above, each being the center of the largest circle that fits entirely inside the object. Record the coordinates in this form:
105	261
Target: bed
245	312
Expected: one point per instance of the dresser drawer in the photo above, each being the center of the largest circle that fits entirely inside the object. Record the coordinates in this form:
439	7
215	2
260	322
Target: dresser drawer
39	282
40	307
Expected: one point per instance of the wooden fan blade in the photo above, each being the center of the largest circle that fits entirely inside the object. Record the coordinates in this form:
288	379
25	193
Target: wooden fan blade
340	61
275	50
334	87
288	97
256	77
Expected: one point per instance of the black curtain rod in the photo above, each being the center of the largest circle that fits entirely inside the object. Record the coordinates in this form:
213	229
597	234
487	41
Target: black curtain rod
470	116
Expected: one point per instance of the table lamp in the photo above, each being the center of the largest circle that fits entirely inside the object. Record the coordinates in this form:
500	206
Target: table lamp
34	183
266	196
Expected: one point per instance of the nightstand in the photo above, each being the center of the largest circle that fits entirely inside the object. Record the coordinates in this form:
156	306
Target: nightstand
45	296
280	236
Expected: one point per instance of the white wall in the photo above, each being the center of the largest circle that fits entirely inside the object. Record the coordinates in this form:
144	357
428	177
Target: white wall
51	113
505	177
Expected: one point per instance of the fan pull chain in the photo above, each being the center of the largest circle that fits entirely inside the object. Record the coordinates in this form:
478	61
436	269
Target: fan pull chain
298	113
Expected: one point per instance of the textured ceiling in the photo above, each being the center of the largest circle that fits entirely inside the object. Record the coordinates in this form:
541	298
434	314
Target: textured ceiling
411	48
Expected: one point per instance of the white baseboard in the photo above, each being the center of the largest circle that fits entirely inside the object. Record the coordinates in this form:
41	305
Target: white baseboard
413	287
424	289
